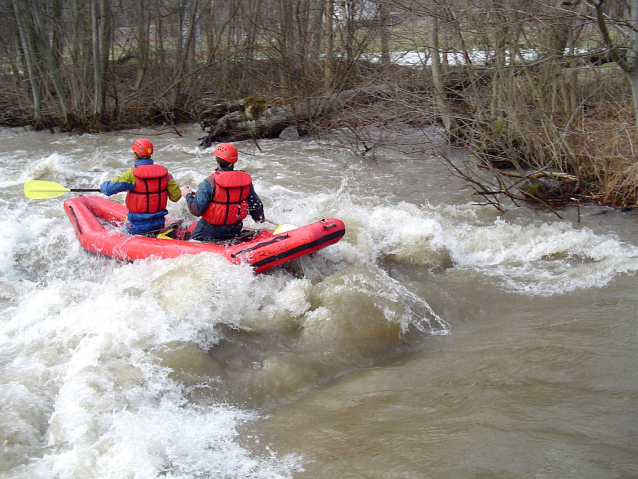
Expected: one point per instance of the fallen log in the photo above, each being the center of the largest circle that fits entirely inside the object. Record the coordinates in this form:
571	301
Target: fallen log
268	122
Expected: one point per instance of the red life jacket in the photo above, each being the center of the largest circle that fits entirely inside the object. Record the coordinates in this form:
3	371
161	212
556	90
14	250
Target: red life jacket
150	194
229	203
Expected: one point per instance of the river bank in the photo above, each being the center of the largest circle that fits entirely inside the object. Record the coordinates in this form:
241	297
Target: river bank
532	156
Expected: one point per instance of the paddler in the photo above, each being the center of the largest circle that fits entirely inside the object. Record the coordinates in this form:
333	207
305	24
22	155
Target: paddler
223	199
148	187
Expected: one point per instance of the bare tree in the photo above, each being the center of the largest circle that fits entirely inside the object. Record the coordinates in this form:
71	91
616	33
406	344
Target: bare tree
29	55
101	41
625	51
437	75
142	28
329	44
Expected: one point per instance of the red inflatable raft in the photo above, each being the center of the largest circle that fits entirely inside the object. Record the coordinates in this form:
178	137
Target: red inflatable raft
98	225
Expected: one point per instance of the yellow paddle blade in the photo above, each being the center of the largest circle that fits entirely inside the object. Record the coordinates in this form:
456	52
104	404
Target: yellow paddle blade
166	234
38	190
283	229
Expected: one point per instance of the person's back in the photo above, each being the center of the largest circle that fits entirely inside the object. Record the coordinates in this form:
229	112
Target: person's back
149	187
224	199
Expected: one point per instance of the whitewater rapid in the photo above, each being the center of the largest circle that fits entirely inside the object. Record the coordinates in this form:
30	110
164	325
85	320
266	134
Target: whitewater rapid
160	368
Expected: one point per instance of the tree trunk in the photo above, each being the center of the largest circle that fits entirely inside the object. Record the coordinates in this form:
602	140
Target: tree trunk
50	63
142	30
628	63
29	61
317	26
632	57
100	40
78	52
437	75
286	42
328	50
187	12
384	35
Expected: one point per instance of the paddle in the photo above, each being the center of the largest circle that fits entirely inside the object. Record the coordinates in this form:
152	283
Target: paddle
280	228
38	190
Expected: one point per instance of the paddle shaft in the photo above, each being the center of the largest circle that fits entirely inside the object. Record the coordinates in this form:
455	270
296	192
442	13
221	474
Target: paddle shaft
39	190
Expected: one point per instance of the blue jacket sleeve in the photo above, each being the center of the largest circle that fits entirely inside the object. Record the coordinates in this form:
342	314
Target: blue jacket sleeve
109	188
198	202
255	206
124	182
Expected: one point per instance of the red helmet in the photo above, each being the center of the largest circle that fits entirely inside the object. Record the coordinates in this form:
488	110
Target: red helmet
143	147
226	152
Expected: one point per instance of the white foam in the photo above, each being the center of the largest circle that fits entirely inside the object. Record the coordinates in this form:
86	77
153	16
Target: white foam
546	259
112	407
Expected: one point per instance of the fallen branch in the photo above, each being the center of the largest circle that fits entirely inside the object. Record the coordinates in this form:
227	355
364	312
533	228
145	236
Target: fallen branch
533	176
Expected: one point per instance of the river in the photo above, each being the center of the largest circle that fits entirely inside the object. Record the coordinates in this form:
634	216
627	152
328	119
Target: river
437	339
